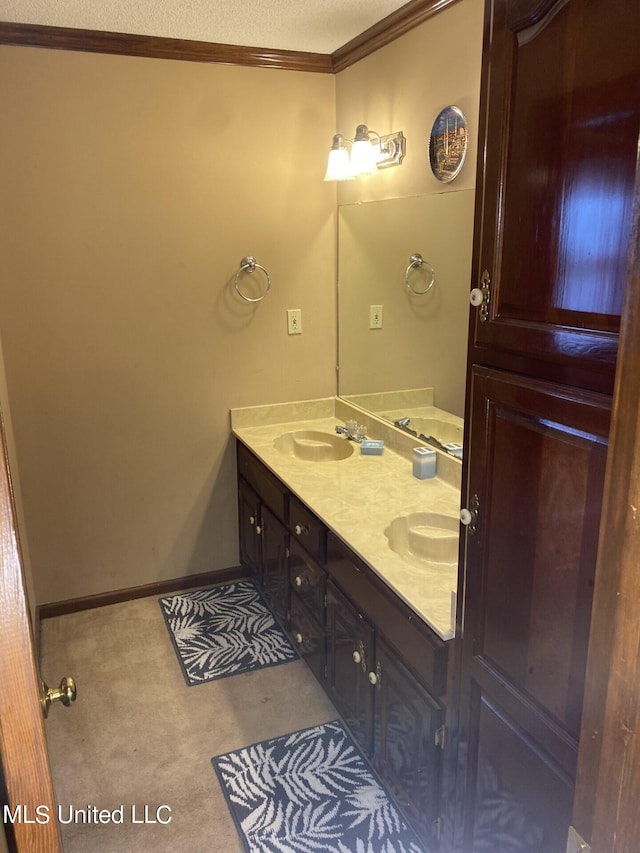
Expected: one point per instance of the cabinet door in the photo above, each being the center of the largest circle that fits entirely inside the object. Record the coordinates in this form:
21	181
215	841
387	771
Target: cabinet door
249	515
406	755
308	635
560	122
275	568
537	464
350	652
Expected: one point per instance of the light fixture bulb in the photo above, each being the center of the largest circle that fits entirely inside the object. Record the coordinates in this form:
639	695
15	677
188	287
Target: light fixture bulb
338	163
363	153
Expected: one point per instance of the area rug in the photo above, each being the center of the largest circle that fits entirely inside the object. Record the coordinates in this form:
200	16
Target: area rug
225	630
311	792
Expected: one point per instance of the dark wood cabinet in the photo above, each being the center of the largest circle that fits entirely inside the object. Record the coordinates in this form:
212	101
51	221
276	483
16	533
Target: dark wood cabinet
382	666
264	537
559	132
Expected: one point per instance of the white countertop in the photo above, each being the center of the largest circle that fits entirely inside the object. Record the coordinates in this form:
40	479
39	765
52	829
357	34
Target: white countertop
357	498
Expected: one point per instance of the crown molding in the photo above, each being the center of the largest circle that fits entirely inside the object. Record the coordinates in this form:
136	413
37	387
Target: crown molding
387	30
95	41
156	47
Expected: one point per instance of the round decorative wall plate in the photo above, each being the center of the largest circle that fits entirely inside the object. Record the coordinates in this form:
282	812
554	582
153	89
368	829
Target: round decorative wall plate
448	144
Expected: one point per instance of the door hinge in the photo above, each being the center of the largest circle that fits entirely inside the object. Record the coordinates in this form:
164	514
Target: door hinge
575	844
436	828
440	736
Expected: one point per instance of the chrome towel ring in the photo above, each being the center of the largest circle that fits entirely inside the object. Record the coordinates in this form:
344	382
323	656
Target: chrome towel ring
249	265
418	262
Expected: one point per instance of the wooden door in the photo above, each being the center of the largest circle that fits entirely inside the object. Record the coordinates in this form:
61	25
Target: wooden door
407	750
248	524
350	650
536	464
559	123
24	763
275	569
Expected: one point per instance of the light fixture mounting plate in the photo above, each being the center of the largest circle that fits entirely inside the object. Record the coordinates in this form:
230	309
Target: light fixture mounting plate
393	147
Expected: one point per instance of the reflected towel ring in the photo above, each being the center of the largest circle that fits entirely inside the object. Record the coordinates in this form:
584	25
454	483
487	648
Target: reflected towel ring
249	265
418	262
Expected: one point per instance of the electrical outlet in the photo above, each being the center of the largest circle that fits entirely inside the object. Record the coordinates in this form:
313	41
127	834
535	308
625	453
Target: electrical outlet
375	316
294	321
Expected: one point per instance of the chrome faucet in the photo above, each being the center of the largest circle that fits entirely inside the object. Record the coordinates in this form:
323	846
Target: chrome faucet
350	434
403	422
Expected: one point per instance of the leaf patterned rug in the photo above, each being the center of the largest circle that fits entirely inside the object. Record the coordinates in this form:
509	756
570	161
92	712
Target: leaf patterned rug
311	792
225	630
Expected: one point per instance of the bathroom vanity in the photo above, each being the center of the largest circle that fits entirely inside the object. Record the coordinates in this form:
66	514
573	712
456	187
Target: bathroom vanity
373	628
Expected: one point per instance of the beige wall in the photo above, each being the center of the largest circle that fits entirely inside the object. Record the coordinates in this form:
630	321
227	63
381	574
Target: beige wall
131	189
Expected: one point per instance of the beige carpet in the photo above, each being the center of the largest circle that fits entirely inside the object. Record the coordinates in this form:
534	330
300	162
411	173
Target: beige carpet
138	736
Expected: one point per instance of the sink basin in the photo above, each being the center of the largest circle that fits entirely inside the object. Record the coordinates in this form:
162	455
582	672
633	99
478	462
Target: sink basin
314	446
444	431
425	537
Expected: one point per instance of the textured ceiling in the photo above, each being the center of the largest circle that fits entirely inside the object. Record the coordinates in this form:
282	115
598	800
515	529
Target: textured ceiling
318	26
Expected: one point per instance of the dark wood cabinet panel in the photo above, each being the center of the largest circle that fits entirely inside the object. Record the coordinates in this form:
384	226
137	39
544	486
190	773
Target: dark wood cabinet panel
272	492
560	126
521	799
275	567
350	653
307	580
537	465
407	753
248	521
308	635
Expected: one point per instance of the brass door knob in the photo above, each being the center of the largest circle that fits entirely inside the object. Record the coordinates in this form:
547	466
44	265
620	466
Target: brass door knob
66	694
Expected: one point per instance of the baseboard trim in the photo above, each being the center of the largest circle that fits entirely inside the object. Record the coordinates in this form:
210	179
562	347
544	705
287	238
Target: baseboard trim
117	596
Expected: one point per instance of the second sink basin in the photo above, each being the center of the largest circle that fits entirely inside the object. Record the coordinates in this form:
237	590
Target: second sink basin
425	536
314	446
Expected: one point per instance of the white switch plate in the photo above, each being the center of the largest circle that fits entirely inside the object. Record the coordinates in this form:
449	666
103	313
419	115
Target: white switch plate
294	321
375	316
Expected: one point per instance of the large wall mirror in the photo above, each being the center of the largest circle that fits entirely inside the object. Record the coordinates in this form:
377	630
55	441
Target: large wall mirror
409	368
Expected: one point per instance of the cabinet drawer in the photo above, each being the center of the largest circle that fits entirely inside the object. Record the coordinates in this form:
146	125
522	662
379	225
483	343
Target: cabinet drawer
307	530
419	648
308	581
272	492
308	636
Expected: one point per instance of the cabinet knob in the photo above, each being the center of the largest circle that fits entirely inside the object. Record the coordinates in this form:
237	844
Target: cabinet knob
258	530
373	678
299	638
301	529
357	657
476	297
299	581
252	520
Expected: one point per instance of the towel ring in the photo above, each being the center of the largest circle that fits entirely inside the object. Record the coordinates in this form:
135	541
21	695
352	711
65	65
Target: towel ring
249	265
417	262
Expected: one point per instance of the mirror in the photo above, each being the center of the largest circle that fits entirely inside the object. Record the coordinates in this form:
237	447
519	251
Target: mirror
401	351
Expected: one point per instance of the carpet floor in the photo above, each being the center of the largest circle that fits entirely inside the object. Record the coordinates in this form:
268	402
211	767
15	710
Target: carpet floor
139	736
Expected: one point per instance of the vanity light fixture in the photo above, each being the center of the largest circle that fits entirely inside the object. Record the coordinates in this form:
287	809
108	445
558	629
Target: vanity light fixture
370	152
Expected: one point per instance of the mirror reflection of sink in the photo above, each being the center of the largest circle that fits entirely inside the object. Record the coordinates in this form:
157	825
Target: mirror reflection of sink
425	537
445	431
314	446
